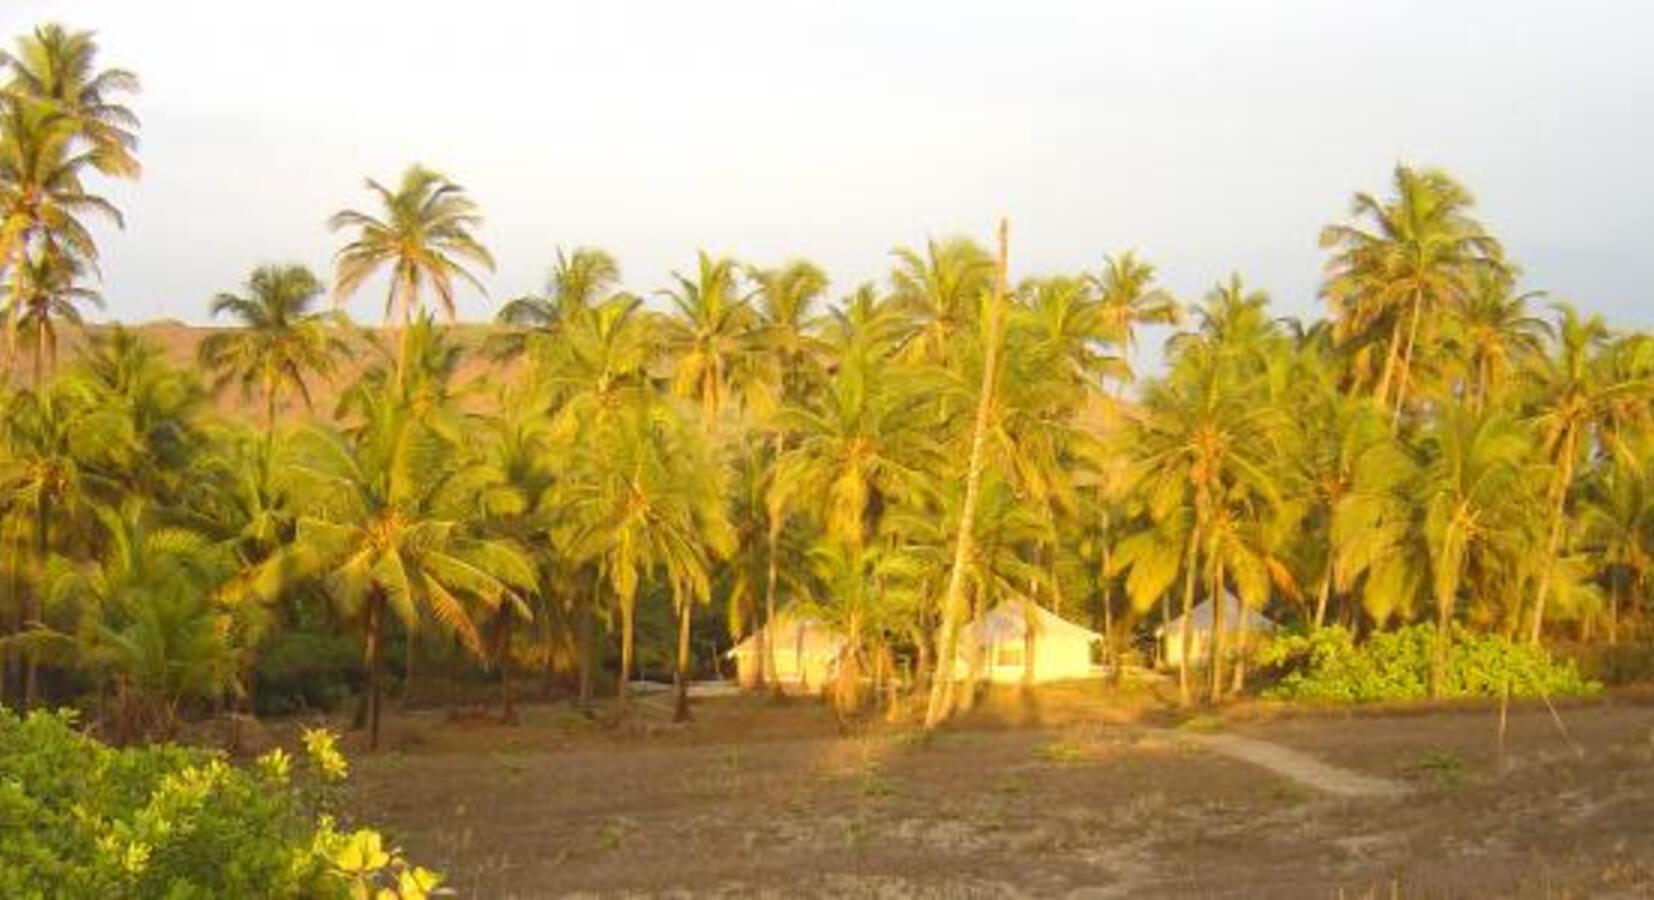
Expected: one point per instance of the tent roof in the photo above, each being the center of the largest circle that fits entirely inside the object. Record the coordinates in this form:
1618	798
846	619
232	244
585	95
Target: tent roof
1008	620
791	631
1202	621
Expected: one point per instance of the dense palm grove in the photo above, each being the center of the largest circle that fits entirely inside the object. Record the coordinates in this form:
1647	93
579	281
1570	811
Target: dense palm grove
1445	447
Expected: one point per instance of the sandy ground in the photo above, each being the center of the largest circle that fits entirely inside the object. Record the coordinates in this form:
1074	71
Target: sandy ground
1083	797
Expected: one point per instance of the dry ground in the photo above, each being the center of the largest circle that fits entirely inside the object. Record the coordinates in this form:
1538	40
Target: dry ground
1082	797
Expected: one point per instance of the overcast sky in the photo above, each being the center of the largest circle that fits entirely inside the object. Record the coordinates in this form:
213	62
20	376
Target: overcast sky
1208	136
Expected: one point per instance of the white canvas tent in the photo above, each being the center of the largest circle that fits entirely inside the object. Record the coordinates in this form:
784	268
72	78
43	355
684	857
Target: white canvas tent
1061	650
806	653
1170	634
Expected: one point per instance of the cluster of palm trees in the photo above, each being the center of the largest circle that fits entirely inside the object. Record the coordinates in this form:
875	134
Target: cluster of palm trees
1436	449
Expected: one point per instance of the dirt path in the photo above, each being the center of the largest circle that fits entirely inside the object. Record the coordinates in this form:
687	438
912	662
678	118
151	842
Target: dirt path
1298	766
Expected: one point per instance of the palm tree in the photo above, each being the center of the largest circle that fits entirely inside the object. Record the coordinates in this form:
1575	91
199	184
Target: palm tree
46	291
953	602
646	500
1128	299
281	339
1577	396
786	332
59	67
939	292
1420	255
579	282
1477	508
43	200
379	544
710	339
424	235
61	450
1618	524
1495	336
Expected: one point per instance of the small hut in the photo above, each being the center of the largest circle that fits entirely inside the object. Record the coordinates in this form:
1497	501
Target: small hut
1170	634
806	653
1061	650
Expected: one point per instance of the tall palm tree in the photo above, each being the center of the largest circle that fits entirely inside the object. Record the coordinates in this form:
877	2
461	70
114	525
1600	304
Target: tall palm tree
425	236
1577	397
377	540
281	340
46	292
1129	299
786	332
58	66
710	338
1478	510
939	291
1496	337
43	200
1412	258
647	501
579	282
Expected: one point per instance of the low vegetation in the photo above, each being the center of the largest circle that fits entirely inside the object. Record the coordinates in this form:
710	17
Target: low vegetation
86	820
1329	666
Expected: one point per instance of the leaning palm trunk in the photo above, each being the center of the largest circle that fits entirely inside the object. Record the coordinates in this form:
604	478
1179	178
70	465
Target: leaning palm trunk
1553	540
1403	378
502	659
953	603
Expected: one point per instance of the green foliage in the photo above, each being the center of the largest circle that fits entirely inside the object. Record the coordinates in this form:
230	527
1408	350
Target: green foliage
1328	666
82	819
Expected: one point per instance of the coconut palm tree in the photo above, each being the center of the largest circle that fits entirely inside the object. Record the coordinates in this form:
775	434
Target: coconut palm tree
939	292
281	339
1410	259
579	282
62	448
47	291
1495	337
647	501
1617	521
1577	399
424	234
379	544
1478	510
710	338
1128	299
44	203
59	67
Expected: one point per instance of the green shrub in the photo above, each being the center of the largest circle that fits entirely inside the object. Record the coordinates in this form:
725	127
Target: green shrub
305	670
82	819
1328	666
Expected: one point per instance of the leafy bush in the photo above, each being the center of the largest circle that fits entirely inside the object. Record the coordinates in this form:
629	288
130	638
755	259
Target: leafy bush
1328	665
305	670
82	819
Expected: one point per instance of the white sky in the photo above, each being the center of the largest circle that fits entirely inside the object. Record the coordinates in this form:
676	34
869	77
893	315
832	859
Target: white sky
1209	136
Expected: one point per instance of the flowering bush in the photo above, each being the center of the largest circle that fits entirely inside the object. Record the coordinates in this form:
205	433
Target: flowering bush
82	819
1328	665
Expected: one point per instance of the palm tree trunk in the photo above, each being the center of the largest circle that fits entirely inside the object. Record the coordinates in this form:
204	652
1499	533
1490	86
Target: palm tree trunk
586	649
1186	625
1553	541
768	672
1614	607
623	687
1406	363
1216	596
681	676
941	693
372	659
32	609
1323	596
1242	635
40	351
1382	393
502	659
